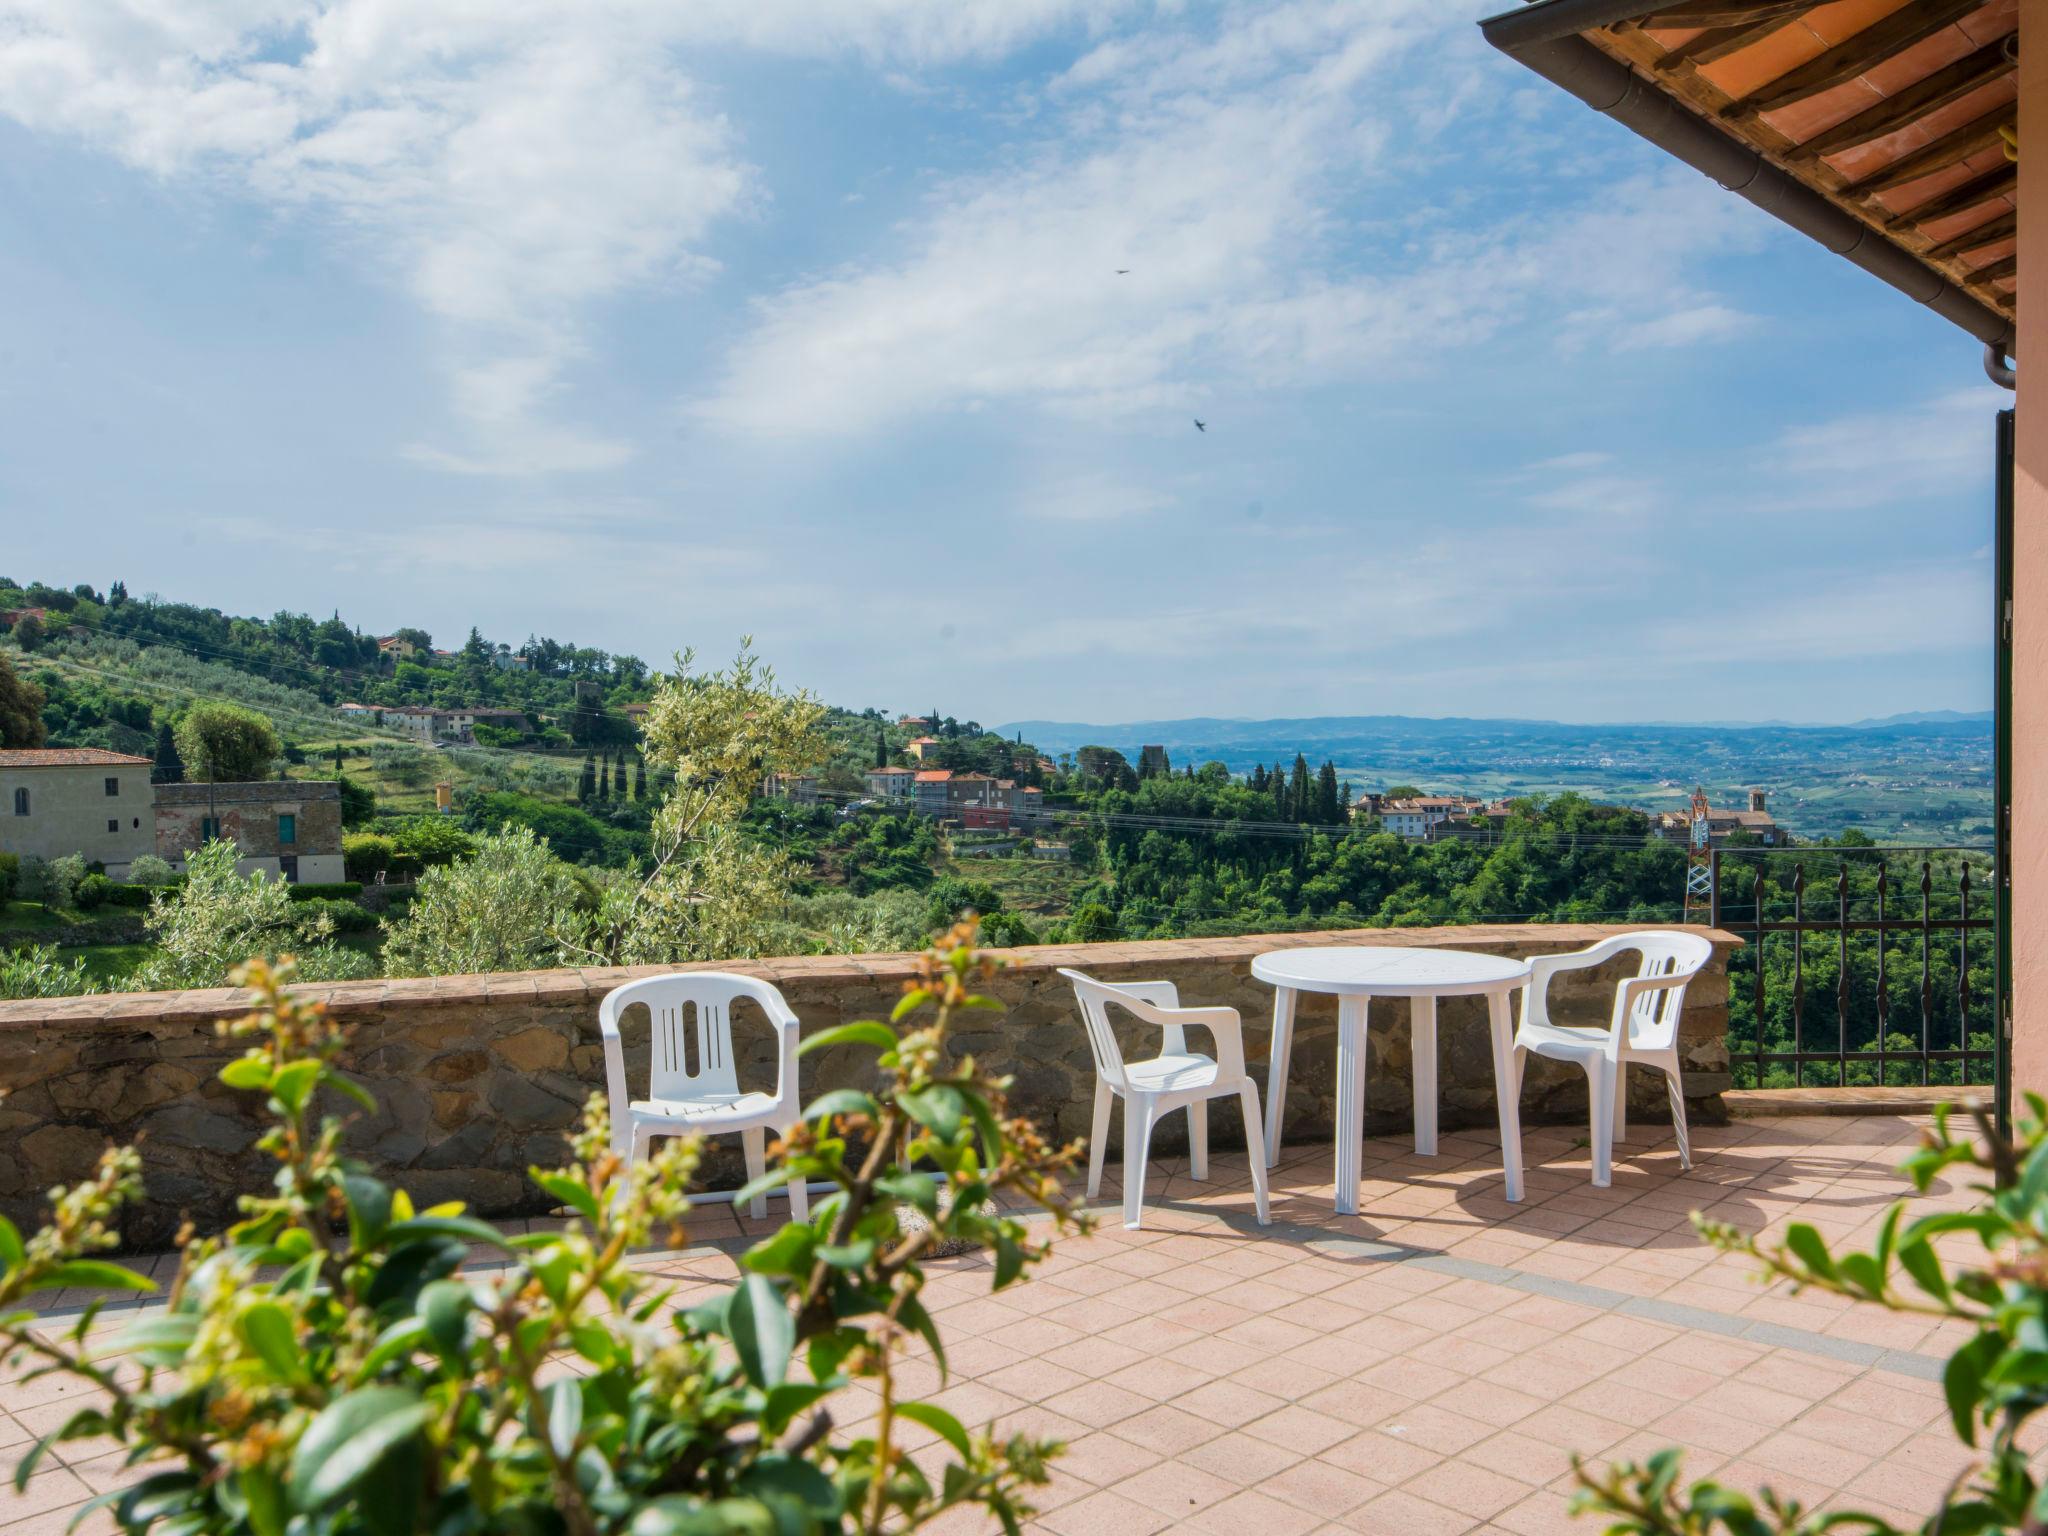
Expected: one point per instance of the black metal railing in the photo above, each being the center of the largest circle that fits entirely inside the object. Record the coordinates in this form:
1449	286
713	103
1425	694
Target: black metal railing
1862	966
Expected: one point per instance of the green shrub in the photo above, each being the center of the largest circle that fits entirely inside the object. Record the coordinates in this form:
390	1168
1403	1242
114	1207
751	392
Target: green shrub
327	890
346	916
37	972
365	855
91	893
341	1380
10	875
151	870
126	893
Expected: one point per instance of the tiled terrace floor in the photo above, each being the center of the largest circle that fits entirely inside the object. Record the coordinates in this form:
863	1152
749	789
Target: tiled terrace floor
1423	1369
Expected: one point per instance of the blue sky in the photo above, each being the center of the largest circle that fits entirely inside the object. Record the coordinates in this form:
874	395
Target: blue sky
649	325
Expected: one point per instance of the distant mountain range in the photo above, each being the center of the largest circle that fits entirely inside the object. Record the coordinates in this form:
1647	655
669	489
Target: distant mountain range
1327	734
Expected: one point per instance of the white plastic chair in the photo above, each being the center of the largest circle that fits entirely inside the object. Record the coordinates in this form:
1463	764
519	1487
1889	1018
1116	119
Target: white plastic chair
694	1088
1643	1031
1176	1078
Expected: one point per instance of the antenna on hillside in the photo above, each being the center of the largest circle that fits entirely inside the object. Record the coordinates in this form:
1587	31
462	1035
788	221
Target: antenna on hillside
1699	861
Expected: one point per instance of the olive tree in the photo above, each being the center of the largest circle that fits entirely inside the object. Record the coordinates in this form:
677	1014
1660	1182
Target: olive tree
225	743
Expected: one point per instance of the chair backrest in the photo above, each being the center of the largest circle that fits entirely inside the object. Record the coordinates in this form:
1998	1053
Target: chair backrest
691	1014
1653	1019
1095	998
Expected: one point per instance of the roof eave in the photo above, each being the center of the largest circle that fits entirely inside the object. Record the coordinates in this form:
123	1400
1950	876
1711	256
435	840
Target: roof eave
1545	37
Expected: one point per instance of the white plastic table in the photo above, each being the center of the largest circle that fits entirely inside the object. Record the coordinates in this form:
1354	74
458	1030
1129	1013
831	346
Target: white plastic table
1356	974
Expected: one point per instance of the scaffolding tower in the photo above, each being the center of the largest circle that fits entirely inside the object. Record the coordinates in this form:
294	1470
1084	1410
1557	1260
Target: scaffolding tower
1699	862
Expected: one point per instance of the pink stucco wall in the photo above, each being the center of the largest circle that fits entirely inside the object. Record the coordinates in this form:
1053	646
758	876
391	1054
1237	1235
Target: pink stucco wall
2030	579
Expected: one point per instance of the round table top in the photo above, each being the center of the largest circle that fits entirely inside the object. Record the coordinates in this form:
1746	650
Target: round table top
1389	971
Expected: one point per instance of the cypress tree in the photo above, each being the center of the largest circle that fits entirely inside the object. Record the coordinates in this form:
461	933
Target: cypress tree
337	757
586	787
1326	795
639	778
604	779
1298	791
169	768
881	748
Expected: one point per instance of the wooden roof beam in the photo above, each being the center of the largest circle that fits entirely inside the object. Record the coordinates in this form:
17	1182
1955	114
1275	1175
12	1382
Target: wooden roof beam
1999	181
1883	39
2004	267
1953	146
1722	13
1717	43
2001	227
1950	83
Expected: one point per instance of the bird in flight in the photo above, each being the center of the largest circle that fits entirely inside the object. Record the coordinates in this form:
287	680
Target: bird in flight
1201	425
1123	271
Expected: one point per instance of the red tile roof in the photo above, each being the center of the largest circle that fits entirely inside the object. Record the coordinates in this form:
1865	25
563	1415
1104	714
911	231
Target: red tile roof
67	757
935	776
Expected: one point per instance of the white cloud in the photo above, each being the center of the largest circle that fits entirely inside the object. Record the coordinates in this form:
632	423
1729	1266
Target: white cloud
512	161
1693	325
1222	169
1940	447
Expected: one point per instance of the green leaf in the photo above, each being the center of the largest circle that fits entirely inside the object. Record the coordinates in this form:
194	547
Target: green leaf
1806	1245
785	1402
786	1480
1009	1260
909	1003
444	1308
681	1515
841	1101
154	1498
787	1252
762	1331
95	1275
1860	1271
1888	1234
163	1334
11	1251
919	1190
291	1085
465	1229
400	1339
348	1438
912	1314
1919	1260
564	1401
573	1193
866	1032
768	1183
263	1493
940	1422
266	1327
369	1209
938	1109
854	1255
1962	1382
248	1074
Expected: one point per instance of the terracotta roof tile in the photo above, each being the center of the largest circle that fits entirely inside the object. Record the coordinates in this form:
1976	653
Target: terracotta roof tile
67	757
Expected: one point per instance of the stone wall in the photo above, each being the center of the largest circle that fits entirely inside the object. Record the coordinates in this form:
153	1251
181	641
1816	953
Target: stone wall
476	1077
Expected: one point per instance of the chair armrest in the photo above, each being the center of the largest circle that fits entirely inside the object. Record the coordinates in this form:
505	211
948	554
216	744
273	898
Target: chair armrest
1225	1029
1161	994
617	1095
1542	969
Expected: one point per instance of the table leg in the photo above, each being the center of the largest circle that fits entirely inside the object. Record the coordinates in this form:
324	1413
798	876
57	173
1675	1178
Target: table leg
1276	1069
1422	1038
1351	1012
1505	1090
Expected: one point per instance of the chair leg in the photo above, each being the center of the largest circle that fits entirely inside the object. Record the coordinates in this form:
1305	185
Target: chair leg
1138	1117
754	1145
1198	1139
799	1200
1255	1144
631	1141
1600	1075
1098	1137
1676	1089
1620	1101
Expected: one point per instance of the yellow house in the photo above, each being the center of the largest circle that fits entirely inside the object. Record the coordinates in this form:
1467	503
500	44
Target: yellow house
56	801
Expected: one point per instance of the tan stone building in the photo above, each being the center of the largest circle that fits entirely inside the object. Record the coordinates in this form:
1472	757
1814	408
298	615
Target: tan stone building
56	801
285	827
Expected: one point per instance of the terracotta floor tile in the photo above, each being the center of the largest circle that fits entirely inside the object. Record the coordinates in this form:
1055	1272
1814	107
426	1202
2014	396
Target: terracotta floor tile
1469	1489
1400	1513
1301	1429
1166	1429
1253	1510
1175	1489
1240	1458
1323	1490
1105	1459
1104	1514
